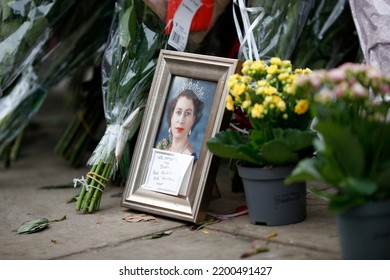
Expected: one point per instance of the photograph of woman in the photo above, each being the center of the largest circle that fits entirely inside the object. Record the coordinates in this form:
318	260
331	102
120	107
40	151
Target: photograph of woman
186	110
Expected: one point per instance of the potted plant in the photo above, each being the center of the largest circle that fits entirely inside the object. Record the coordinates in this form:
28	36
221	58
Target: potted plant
279	136
351	105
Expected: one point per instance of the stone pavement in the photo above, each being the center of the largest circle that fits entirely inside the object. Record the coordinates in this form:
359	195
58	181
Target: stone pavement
105	235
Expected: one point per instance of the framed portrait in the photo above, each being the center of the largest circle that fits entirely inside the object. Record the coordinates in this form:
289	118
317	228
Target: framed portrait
172	173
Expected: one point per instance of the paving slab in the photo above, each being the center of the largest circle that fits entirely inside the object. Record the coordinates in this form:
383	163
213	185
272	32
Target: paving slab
105	235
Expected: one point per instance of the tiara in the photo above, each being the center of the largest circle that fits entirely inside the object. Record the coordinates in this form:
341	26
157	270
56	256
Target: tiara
198	90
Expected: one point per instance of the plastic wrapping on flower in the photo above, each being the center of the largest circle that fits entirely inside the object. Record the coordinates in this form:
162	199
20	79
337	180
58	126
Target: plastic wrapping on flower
17	107
270	28
329	37
371	19
128	65
25	26
127	71
76	41
33	34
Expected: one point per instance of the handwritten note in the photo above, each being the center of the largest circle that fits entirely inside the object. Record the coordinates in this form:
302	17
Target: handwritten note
169	172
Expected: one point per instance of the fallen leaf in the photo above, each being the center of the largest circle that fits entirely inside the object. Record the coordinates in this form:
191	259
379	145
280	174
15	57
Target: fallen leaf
159	234
272	235
33	226
59	220
135	218
73	199
254	251
54	241
204	224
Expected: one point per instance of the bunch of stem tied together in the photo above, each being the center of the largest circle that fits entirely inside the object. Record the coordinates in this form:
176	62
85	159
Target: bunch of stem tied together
129	61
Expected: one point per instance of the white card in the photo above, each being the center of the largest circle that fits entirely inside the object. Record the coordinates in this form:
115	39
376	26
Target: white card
182	22
169	172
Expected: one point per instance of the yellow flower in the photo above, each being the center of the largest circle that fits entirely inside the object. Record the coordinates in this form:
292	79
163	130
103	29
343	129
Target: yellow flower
246	79
245	69
275	61
272	69
289	89
301	107
286	63
270	90
302	71
246	104
279	103
233	80
267	100
229	103
257	111
283	76
266	90
238	89
258	65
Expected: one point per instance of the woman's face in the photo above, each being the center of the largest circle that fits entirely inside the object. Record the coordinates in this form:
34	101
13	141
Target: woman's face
183	117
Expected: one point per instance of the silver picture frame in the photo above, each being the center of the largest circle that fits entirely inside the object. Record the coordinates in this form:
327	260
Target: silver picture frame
209	72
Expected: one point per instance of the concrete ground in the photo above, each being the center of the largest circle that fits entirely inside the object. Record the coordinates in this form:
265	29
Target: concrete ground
106	235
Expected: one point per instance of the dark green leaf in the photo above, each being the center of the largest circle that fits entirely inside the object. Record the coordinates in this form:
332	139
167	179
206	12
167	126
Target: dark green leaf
59	220
295	139
229	144
360	186
278	153
160	234
306	170
345	147
33	226
340	203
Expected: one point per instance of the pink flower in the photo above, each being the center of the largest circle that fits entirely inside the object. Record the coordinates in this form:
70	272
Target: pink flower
316	79
336	75
358	90
384	88
325	95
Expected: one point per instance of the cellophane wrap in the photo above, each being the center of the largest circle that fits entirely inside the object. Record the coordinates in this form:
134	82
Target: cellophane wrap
24	28
128	67
19	105
269	28
372	19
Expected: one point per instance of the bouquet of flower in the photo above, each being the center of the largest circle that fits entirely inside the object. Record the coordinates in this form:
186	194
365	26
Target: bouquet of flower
24	99
352	106
127	71
279	116
25	27
46	59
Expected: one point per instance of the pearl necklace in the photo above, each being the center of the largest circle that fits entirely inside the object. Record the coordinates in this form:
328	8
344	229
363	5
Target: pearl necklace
185	147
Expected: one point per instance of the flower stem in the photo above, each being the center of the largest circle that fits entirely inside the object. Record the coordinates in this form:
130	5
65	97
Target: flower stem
97	192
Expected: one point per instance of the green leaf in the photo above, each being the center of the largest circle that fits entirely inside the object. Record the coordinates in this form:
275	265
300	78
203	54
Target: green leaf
360	186
306	170
340	203
160	234
230	144
295	139
58	220
277	152
127	27
33	226
384	178
345	147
